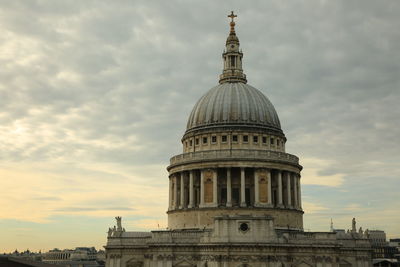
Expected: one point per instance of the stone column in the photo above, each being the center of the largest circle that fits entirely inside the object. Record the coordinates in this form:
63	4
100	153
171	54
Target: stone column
228	187
299	191
256	189
280	202
175	206
242	188
201	188
215	188
182	193
170	194
191	195
269	187
295	198
289	190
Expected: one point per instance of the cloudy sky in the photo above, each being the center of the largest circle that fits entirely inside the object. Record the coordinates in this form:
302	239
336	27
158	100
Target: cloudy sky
95	95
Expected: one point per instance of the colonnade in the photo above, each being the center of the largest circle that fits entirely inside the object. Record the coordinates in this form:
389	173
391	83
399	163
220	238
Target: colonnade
57	255
234	187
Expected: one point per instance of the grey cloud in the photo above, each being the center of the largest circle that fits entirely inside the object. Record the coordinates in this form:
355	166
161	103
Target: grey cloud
330	68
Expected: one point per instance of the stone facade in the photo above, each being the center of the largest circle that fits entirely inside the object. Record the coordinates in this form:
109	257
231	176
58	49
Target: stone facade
238	241
234	193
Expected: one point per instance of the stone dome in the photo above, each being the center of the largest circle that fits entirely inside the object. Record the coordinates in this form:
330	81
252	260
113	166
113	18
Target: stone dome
233	105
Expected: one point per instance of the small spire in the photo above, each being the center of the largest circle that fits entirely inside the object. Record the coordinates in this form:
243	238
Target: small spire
232	56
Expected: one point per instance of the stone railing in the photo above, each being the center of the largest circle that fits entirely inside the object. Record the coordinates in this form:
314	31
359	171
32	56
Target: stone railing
233	154
313	235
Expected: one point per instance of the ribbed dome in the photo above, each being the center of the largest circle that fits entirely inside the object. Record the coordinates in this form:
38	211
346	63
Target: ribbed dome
233	104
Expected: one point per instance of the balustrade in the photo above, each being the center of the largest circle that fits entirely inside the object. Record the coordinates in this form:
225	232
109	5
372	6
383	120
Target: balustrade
233	154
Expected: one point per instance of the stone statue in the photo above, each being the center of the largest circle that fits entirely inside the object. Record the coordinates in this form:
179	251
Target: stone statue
353	225
360	231
110	231
119	225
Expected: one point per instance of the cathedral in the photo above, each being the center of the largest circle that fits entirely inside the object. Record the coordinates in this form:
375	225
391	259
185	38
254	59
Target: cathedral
234	192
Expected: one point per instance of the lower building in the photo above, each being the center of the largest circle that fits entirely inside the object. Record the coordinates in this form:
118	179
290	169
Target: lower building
78	257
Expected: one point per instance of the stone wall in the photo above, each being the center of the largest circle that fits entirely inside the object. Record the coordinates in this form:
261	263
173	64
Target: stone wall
204	218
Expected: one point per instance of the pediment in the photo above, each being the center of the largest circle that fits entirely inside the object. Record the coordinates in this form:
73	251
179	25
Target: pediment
184	263
303	264
343	263
134	263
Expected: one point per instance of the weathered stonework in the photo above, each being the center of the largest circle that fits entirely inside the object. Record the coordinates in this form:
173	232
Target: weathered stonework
234	193
230	244
200	218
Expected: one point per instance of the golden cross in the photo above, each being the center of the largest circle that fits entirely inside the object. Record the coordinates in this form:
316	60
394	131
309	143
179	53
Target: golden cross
232	16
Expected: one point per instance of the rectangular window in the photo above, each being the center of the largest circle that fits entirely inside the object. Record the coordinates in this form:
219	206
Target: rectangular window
190	142
234	138
264	139
224	138
245	138
255	139
197	141
205	140
213	139
277	142
272	141
232	61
